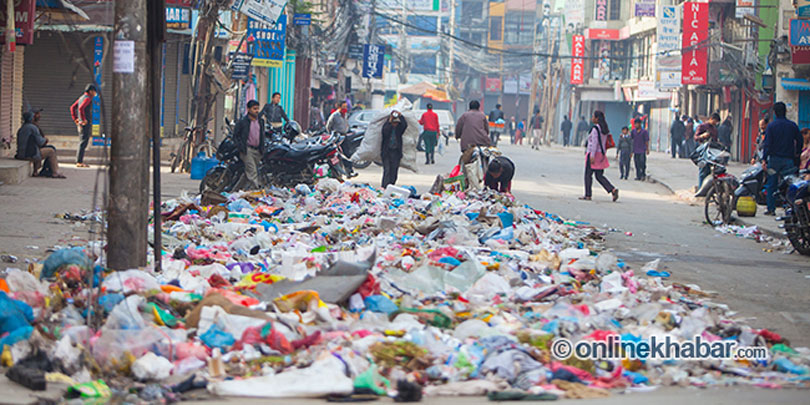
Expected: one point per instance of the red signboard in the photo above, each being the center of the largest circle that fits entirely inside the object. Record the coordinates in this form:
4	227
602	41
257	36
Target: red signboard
24	15
800	55
694	61
180	3
492	85
600	33
577	64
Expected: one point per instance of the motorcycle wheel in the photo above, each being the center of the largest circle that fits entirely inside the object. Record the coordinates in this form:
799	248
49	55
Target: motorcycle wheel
716	208
216	180
798	236
361	164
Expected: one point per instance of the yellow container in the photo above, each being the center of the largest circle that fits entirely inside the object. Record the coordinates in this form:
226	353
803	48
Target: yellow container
746	206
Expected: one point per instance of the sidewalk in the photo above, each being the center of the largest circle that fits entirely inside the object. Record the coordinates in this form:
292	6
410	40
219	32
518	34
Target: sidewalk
680	177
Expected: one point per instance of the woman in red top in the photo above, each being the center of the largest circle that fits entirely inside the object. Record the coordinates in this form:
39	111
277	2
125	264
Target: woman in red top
430	133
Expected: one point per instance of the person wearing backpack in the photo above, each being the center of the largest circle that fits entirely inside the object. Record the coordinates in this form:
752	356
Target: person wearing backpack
596	160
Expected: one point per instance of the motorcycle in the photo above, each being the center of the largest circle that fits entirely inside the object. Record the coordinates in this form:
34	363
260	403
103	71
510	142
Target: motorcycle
350	145
795	199
720	188
283	164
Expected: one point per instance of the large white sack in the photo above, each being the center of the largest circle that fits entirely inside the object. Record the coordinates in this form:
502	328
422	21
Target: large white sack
372	141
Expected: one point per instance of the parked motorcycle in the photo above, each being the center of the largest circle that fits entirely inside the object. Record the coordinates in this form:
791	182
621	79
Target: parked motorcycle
796	222
720	188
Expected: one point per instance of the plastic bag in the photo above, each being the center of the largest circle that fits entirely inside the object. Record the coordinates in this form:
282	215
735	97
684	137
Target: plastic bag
152	367
371	146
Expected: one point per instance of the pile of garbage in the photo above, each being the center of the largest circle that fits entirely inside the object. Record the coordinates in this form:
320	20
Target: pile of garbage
753	232
348	291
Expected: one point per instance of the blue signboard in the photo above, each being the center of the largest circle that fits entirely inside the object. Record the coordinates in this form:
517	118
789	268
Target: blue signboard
373	58
98	59
302	19
267	42
800	32
241	66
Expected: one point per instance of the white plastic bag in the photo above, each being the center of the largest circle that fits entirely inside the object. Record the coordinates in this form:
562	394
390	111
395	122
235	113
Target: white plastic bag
372	141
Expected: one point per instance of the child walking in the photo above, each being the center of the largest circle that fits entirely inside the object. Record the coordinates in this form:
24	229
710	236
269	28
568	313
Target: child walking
624	152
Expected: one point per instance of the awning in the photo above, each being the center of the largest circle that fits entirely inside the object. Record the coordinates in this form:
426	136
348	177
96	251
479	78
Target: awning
796	84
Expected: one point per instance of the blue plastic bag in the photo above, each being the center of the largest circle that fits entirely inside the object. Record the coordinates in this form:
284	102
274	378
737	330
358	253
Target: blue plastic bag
216	337
380	303
65	257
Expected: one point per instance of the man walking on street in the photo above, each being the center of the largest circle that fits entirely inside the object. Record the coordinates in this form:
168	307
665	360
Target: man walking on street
641	148
724	133
582	129
472	128
391	152
780	151
565	127
706	132
249	136
536	125
624	150
337	121
494	116
81	112
273	112
676	132
430	133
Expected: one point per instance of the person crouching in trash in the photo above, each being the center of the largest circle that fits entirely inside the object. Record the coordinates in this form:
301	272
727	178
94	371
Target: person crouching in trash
499	174
391	152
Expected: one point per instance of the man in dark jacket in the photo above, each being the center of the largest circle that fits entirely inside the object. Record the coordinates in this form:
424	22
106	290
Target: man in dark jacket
273	113
248	134
82	113
391	152
499	174
582	129
472	128
724	133
780	151
565	127
494	116
676	132
31	145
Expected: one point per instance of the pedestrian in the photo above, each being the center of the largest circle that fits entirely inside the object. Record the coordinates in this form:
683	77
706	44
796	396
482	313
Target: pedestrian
273	112
495	116
248	134
430	133
725	132
536	126
337	120
81	112
519	133
676	132
804	163
706	132
624	150
32	146
689	136
472	128
781	150
565	127
641	148
760	140
582	130
596	160
500	172
391	151
512	130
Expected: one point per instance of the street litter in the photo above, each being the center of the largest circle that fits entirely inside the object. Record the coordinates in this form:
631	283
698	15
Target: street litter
344	291
754	233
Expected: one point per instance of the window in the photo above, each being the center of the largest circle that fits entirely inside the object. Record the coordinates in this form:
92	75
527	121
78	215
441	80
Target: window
518	29
471	10
495	28
615	10
427	25
424	64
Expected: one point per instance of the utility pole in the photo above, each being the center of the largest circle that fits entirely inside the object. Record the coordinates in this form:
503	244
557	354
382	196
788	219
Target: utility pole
127	211
451	53
404	52
535	79
156	26
547	84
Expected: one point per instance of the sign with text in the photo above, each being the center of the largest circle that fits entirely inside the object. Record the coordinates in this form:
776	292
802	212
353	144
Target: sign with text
178	18
577	63
800	32
603	33
268	42
802	8
601	10
574	13
743	7
800	55
669	28
241	66
355	51
266	11
694	62
645	8
302	19
98	60
24	16
373	59
492	85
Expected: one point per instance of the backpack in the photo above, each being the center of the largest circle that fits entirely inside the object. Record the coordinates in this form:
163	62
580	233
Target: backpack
609	143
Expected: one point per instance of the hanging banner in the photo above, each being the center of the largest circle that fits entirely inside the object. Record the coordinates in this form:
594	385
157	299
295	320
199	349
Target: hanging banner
266	11
694	62
577	63
373	59
601	10
267	42
645	8
98	59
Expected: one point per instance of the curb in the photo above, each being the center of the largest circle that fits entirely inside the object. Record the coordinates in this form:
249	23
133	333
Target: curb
779	234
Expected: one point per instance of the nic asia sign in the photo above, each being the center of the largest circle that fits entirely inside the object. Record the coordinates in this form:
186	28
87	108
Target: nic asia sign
694	62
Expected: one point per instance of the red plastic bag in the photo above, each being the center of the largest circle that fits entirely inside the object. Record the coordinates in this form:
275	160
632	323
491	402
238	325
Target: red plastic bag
456	171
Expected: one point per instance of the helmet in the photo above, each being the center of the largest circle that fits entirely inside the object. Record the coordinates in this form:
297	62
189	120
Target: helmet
292	129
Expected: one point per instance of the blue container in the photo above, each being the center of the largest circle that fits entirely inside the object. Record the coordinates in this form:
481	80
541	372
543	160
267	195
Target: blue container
200	166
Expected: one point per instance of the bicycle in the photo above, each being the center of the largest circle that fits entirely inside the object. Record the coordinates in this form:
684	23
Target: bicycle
182	157
720	200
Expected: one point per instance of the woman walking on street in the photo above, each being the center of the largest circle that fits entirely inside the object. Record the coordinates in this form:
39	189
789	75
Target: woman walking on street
596	160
